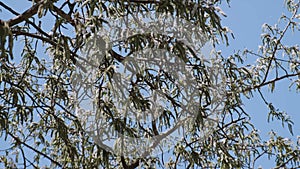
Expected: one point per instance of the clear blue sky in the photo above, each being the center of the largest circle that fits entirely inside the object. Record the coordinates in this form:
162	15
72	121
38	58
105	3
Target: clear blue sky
245	19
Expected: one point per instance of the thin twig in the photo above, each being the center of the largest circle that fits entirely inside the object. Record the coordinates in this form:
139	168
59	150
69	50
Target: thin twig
33	149
277	44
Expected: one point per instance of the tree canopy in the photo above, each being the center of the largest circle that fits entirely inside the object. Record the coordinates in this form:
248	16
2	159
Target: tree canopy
76	75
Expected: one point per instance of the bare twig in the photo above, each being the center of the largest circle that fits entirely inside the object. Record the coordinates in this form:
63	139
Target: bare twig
8	8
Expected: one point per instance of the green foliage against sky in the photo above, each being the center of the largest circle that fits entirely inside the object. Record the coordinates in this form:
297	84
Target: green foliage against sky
42	51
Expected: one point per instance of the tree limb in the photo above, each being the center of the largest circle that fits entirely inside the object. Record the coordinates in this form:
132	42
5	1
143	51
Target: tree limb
271	81
18	140
9	8
24	16
277	44
145	1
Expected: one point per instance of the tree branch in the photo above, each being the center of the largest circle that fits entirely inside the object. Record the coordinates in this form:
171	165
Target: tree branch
9	8
24	16
277	44
64	15
141	1
18	140
27	20
145	1
53	43
271	81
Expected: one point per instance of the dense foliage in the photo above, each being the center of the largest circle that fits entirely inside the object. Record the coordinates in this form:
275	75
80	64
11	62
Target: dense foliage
41	54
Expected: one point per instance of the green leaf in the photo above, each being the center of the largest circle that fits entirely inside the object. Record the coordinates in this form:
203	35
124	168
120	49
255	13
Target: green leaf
272	86
290	126
10	46
15	98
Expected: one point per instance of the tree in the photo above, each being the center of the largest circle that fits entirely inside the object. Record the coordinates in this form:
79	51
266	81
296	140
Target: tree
44	117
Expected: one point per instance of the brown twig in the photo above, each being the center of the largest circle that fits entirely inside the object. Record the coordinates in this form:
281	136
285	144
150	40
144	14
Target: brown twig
65	16
271	81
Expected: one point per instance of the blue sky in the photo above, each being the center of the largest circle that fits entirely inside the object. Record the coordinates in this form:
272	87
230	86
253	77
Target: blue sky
245	19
